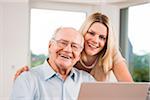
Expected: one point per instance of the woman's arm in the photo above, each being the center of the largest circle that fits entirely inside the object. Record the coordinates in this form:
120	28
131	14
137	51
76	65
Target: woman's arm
121	72
120	67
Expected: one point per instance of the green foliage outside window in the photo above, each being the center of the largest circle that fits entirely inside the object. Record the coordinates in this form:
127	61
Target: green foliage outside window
141	68
141	74
37	59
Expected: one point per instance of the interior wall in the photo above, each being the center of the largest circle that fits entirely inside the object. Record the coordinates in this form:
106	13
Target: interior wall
1	68
15	42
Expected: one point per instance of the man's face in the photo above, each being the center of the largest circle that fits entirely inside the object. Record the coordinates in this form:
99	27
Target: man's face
65	49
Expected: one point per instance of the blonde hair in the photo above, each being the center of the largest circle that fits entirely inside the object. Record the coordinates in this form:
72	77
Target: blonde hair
105	55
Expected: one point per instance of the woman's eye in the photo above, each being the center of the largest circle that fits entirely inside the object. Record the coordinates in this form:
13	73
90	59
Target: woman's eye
102	37
92	33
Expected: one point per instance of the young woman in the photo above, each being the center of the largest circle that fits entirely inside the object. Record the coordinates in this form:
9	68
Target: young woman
100	56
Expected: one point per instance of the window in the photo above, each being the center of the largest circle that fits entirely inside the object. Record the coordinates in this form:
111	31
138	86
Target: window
43	24
134	40
139	38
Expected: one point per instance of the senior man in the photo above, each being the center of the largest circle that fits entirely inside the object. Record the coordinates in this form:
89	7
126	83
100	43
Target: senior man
55	79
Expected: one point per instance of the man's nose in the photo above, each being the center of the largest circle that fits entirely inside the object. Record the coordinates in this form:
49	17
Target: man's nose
68	48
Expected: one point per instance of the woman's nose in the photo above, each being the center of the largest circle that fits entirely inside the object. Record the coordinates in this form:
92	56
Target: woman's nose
96	39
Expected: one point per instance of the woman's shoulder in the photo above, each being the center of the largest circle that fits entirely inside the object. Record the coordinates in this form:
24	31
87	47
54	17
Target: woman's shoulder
78	65
117	53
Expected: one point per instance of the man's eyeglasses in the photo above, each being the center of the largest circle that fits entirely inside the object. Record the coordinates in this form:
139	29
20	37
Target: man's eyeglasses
63	43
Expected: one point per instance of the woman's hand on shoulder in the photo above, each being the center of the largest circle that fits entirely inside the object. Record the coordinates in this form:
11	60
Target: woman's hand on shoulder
19	71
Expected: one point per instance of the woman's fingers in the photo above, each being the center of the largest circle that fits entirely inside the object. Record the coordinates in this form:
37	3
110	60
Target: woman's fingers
21	70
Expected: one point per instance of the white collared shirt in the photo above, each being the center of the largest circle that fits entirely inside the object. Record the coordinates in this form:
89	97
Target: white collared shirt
43	83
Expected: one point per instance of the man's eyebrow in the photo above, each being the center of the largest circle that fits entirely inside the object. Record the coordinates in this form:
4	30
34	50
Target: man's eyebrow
63	40
69	41
75	43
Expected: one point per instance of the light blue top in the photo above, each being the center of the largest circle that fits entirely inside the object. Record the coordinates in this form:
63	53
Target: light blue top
43	83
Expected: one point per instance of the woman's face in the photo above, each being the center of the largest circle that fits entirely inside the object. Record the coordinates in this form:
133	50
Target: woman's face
95	39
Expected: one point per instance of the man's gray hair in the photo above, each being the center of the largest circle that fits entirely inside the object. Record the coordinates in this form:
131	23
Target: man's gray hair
58	29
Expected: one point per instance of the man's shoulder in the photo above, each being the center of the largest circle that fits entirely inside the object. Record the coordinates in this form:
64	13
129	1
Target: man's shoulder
37	71
32	74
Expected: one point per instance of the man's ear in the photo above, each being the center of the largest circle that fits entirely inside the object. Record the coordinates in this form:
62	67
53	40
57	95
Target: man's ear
50	43
49	46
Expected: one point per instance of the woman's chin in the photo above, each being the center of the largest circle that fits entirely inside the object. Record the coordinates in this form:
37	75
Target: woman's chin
91	53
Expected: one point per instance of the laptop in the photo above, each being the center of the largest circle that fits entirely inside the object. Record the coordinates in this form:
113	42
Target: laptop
114	91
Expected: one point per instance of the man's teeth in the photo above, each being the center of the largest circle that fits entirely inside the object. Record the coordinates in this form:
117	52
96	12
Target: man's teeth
66	57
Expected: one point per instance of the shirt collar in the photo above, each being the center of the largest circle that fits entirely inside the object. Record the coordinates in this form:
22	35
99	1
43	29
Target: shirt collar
74	74
48	72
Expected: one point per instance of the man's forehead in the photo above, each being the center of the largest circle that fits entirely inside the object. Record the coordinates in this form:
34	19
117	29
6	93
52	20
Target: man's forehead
64	32
69	35
68	30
